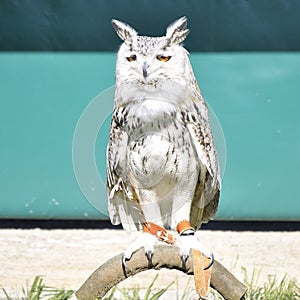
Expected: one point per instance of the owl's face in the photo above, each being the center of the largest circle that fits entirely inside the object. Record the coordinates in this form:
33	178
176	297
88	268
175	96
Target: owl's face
152	64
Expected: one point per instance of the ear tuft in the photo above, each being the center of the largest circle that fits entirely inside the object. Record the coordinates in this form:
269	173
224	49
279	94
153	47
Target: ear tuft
124	31
177	31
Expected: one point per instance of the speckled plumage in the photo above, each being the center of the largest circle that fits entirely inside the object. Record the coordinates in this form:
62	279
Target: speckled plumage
161	160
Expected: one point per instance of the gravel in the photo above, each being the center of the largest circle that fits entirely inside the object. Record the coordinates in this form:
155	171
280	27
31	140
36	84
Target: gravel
66	258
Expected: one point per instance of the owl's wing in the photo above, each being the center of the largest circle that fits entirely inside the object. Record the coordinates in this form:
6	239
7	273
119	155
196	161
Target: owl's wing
114	160
122	201
206	197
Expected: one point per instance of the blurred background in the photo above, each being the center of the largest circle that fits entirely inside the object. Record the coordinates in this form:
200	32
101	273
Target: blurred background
57	56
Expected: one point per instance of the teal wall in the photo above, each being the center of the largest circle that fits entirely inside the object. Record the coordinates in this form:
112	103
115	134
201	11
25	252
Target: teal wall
57	61
254	95
42	97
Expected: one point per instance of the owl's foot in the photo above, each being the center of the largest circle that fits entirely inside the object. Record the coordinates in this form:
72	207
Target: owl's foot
152	233
145	240
187	241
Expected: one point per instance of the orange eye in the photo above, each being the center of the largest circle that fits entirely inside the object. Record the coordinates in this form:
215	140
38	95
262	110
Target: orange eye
163	58
131	58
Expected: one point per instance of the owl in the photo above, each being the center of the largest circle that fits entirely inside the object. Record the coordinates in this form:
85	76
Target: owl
162	167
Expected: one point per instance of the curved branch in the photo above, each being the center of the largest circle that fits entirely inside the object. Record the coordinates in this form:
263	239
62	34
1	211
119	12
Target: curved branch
111	273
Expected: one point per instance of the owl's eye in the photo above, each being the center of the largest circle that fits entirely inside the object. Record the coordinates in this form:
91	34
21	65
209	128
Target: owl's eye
163	58
131	58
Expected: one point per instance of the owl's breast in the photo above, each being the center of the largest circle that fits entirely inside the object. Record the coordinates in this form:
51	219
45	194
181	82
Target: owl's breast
152	159
159	156
149	115
159	150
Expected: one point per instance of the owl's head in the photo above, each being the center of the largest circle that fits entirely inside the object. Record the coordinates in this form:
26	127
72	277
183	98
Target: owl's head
152	63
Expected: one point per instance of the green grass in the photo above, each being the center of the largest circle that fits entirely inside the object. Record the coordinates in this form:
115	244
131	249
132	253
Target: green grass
273	289
135	294
39	291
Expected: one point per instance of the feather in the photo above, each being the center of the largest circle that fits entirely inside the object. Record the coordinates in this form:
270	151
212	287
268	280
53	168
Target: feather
123	202
206	196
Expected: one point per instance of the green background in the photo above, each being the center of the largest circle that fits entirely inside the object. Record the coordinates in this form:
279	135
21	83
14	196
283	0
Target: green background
57	57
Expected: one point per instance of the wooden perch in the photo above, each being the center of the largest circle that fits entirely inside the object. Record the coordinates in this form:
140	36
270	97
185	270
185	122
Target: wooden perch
111	273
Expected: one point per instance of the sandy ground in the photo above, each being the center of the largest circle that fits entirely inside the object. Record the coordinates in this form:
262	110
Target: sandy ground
65	258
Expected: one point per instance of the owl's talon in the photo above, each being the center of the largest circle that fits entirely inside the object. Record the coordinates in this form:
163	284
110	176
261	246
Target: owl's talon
211	262
149	255
124	266
184	258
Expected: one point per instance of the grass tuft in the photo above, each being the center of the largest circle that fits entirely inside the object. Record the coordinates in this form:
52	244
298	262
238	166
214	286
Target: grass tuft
39	291
134	294
274	288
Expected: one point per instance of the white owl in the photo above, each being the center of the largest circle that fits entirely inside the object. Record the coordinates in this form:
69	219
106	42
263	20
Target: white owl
162	166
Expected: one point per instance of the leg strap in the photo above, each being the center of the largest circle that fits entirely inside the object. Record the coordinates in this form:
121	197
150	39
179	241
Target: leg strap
160	232
201	276
184	226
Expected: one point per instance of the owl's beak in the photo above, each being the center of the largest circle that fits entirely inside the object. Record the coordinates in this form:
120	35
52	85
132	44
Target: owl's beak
145	69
